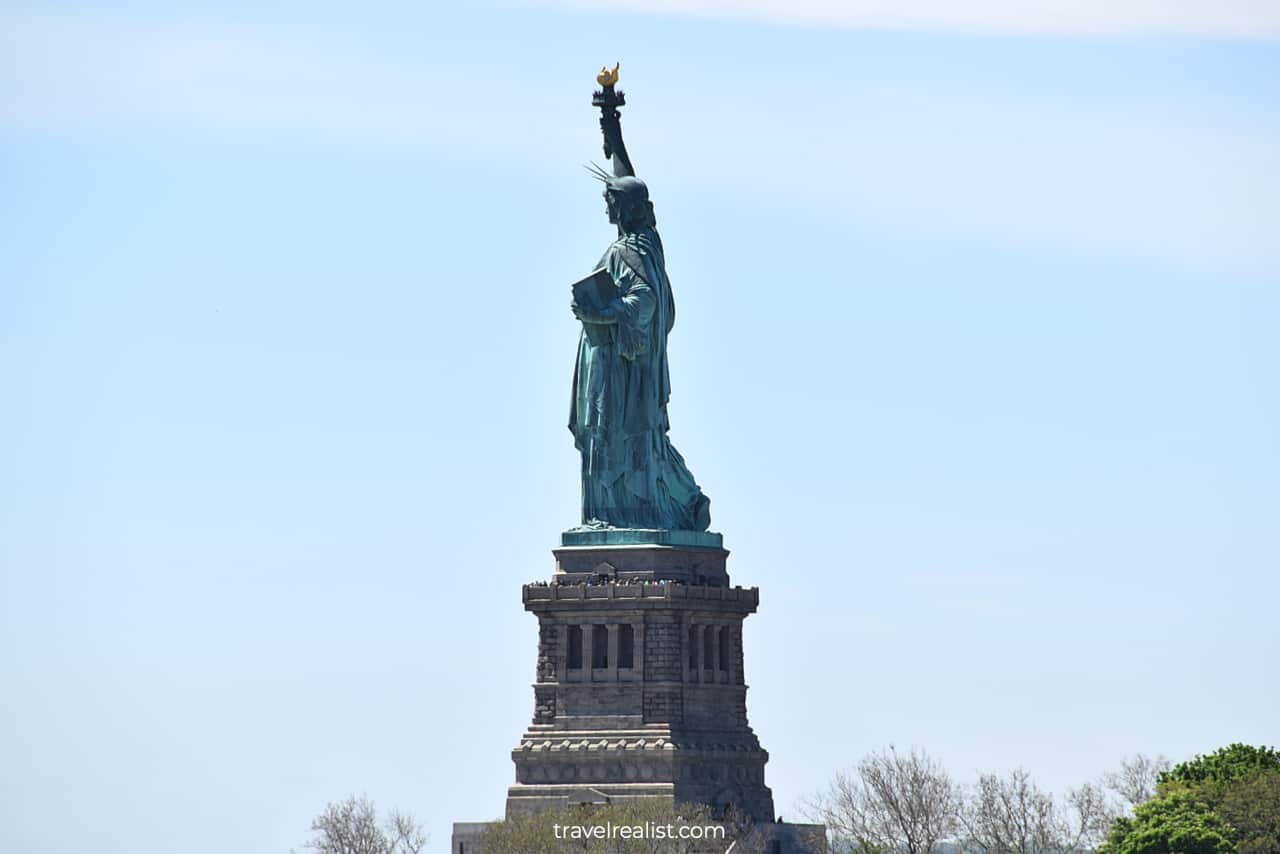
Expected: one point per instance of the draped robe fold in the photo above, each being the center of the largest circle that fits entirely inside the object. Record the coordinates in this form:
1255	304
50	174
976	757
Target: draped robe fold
632	476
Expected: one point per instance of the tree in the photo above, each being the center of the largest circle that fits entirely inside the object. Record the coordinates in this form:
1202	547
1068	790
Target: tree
1224	801
1176	824
1252	807
1241	784
351	827
1224	765
1135	782
1011	815
891	803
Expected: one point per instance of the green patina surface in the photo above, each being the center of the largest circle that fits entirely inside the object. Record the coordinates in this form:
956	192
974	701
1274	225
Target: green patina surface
642	536
632	476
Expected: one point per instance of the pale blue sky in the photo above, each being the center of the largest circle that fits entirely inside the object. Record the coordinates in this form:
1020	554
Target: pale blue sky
975	356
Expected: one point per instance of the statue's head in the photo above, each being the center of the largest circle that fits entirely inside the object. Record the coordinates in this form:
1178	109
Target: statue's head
627	199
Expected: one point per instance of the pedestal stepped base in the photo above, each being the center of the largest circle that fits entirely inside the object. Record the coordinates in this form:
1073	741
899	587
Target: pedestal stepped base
640	690
626	554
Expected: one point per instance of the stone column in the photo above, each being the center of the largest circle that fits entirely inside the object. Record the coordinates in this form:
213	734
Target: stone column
613	652
637	649
738	673
699	647
686	665
562	657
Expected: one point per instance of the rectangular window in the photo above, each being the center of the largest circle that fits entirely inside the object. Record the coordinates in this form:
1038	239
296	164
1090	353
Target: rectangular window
724	648
600	647
626	646
575	647
708	649
693	647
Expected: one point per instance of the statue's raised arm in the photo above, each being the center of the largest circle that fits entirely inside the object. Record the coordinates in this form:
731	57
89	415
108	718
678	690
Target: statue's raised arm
609	99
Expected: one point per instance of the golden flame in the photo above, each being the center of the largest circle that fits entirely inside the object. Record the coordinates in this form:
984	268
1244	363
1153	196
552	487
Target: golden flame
608	76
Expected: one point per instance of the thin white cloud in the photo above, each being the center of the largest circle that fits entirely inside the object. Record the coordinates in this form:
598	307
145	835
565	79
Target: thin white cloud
1237	19
1180	179
1160	181
208	76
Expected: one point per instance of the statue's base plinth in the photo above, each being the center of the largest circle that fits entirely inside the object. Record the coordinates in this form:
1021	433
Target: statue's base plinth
633	555
641	536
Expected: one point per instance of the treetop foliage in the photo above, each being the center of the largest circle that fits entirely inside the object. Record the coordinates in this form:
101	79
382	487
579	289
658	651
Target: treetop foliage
1230	797
1170	825
1224	765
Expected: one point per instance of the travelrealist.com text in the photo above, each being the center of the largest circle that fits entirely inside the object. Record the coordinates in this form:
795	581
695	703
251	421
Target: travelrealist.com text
648	830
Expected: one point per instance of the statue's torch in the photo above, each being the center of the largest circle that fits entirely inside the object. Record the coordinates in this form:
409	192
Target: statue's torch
608	99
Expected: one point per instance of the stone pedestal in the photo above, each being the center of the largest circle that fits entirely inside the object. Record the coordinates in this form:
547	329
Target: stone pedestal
640	687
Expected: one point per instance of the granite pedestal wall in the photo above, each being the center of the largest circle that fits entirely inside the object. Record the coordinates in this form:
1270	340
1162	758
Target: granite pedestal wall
640	687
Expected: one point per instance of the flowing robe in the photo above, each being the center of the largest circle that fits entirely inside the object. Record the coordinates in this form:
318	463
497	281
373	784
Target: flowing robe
632	477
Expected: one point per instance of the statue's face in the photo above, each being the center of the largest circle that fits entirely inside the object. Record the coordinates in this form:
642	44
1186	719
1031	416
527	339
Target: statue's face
611	203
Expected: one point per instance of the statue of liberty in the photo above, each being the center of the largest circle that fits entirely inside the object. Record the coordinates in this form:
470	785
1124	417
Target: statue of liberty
632	476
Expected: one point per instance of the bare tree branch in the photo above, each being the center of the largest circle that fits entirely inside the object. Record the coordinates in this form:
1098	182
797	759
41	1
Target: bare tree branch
406	836
1135	782
351	827
1012	815
892	803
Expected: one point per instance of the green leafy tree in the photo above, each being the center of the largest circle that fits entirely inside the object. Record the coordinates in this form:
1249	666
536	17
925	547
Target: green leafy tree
1241	784
1223	766
1252	806
1175	824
